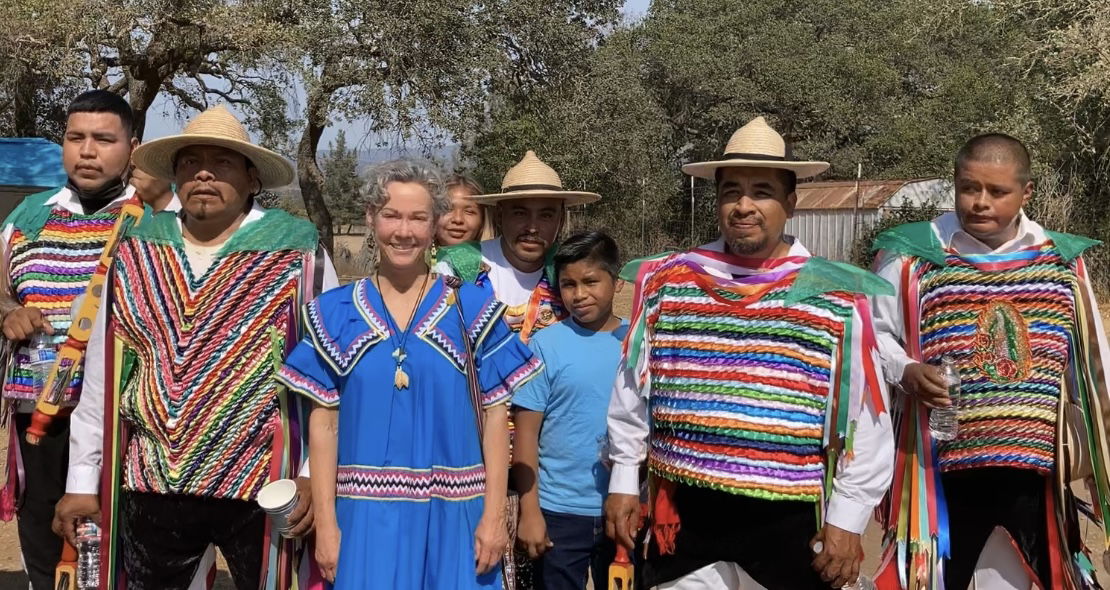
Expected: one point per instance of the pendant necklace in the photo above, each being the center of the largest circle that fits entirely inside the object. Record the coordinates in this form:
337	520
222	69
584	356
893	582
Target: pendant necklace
400	377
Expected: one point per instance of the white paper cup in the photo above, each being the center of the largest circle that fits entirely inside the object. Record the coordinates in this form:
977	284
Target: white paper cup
278	499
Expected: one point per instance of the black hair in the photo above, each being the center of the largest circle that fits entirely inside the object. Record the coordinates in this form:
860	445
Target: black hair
102	101
788	177
995	147
596	246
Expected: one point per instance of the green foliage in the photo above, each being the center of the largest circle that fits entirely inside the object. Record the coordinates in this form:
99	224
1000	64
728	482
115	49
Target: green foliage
861	250
885	84
341	182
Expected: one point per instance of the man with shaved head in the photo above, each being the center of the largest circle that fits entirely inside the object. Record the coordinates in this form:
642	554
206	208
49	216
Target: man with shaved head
1009	303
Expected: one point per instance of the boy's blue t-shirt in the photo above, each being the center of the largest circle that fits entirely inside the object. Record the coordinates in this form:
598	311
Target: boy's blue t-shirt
573	392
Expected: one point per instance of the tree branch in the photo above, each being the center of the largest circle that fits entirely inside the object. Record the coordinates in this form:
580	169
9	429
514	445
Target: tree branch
183	96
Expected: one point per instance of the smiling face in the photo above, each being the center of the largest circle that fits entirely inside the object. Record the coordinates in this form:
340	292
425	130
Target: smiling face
214	183
96	149
403	226
528	228
989	198
463	223
752	208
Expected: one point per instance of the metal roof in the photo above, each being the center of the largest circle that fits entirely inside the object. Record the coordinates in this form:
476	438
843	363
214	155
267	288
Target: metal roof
31	161
841	194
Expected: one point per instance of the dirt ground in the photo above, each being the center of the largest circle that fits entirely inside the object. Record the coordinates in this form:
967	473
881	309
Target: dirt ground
12	577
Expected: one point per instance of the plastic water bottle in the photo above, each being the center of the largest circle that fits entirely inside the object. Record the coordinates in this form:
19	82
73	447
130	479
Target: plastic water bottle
41	353
88	556
862	583
943	424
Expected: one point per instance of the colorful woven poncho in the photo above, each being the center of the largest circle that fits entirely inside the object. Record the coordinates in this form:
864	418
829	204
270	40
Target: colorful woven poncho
1019	328
52	253
754	369
192	405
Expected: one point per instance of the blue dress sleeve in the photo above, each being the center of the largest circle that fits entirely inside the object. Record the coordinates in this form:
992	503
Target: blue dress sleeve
504	362
307	372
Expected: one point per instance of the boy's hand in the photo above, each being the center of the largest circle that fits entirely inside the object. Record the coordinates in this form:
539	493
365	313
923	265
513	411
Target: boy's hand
531	534
927	384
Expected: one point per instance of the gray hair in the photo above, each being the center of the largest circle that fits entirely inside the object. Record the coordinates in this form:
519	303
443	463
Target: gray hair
375	197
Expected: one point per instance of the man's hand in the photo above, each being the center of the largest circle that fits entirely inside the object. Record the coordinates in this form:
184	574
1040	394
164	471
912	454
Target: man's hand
300	520
22	323
531	533
622	519
927	384
840	556
70	510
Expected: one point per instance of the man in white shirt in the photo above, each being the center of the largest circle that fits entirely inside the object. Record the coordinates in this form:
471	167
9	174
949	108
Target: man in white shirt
529	211
48	252
750	387
1010	305
202	307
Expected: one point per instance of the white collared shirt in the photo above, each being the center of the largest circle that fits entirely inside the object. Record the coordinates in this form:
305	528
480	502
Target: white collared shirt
511	286
859	484
87	422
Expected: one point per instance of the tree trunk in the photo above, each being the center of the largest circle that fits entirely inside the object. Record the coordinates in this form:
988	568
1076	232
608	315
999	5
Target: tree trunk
25	107
309	176
141	94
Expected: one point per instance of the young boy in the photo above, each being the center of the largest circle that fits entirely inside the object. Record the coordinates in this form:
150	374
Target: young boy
561	421
1011	305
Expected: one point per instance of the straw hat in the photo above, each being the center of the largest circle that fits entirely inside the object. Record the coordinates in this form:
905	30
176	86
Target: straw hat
756	145
531	178
217	126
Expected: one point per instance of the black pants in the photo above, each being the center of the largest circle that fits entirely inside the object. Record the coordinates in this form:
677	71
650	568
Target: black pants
164	538
44	468
981	499
768	539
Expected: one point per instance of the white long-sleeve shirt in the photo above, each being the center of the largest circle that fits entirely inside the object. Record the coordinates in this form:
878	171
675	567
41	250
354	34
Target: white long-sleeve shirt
86	437
859	484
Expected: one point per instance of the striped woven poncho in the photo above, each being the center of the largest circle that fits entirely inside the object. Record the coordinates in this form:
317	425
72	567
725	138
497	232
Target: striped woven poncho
52	254
756	370
193	407
1019	328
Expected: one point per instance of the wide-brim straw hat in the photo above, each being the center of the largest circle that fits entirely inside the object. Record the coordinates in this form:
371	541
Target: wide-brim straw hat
217	126
531	178
756	145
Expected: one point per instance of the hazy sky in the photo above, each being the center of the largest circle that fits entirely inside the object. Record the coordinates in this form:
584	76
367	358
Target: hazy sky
161	120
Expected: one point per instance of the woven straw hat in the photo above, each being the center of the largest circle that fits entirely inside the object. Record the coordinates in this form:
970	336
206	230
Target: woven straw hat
756	145
531	178
217	126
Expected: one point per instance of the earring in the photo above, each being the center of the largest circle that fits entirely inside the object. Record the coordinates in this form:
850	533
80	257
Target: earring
431	255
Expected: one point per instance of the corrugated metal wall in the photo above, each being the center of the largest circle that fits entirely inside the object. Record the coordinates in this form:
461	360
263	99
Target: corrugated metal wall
828	232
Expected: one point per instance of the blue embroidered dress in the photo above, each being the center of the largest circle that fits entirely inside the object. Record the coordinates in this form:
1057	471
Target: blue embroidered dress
410	480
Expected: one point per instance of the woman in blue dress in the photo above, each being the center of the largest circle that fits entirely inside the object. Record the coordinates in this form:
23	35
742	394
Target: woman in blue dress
405	495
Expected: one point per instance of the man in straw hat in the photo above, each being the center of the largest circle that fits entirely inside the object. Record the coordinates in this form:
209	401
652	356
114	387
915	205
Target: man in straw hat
989	497
201	309
749	384
49	250
529	212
